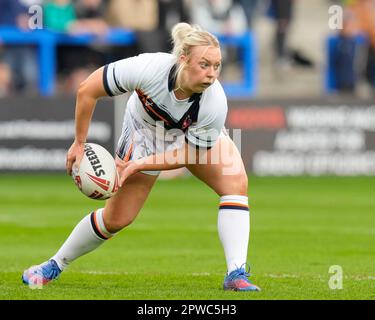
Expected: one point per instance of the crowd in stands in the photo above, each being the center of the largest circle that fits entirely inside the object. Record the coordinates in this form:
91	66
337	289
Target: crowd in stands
355	56
151	21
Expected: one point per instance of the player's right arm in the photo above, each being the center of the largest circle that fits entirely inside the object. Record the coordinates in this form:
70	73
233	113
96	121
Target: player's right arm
88	93
111	80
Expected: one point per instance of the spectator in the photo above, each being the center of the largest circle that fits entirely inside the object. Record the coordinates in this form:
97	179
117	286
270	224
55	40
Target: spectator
126	14
222	17
90	14
365	11
18	62
345	54
75	63
152	30
281	11
59	15
219	16
84	17
359	20
250	8
170	12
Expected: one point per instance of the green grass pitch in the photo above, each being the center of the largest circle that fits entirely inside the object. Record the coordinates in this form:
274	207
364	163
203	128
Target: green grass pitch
299	228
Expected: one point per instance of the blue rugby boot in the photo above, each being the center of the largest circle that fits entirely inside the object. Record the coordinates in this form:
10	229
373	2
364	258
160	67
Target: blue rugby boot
238	280
38	276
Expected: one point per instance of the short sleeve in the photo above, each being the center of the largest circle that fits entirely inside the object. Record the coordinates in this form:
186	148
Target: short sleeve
202	137
127	74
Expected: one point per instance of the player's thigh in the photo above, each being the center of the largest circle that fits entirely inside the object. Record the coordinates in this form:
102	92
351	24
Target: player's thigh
224	172
123	207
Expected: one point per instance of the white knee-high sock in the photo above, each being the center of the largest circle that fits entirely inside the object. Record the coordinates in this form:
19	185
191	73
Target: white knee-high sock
234	229
88	234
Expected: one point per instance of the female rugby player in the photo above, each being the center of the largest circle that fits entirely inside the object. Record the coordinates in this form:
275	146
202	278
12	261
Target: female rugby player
174	118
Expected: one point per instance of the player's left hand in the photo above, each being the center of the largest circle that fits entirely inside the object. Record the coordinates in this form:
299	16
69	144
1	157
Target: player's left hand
125	169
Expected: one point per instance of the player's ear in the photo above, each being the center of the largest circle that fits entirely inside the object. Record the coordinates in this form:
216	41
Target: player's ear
183	59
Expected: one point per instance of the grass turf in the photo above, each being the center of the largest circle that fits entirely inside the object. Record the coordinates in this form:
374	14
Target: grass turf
299	228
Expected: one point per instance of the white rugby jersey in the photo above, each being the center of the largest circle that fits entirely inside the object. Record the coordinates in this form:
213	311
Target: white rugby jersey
151	76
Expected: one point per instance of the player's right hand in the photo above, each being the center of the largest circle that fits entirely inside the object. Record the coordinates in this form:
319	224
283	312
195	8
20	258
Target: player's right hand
74	156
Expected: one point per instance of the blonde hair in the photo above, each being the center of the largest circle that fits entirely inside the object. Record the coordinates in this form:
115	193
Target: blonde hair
186	36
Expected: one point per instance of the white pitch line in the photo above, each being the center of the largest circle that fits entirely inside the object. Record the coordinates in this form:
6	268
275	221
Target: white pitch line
207	274
282	276
106	272
195	274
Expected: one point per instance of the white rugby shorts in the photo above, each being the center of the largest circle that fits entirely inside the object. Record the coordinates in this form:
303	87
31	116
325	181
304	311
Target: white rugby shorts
140	139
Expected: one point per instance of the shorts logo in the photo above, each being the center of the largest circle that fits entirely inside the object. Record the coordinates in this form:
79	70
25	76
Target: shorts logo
187	122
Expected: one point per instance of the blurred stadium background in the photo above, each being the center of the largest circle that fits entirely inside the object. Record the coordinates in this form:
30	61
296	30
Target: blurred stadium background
300	84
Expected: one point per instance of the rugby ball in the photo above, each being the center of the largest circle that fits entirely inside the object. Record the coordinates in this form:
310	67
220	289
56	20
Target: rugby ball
96	176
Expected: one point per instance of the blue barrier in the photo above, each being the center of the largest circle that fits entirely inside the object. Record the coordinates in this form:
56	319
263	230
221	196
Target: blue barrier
247	87
47	41
332	43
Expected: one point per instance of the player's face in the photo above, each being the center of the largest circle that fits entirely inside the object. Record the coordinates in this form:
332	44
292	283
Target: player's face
202	68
